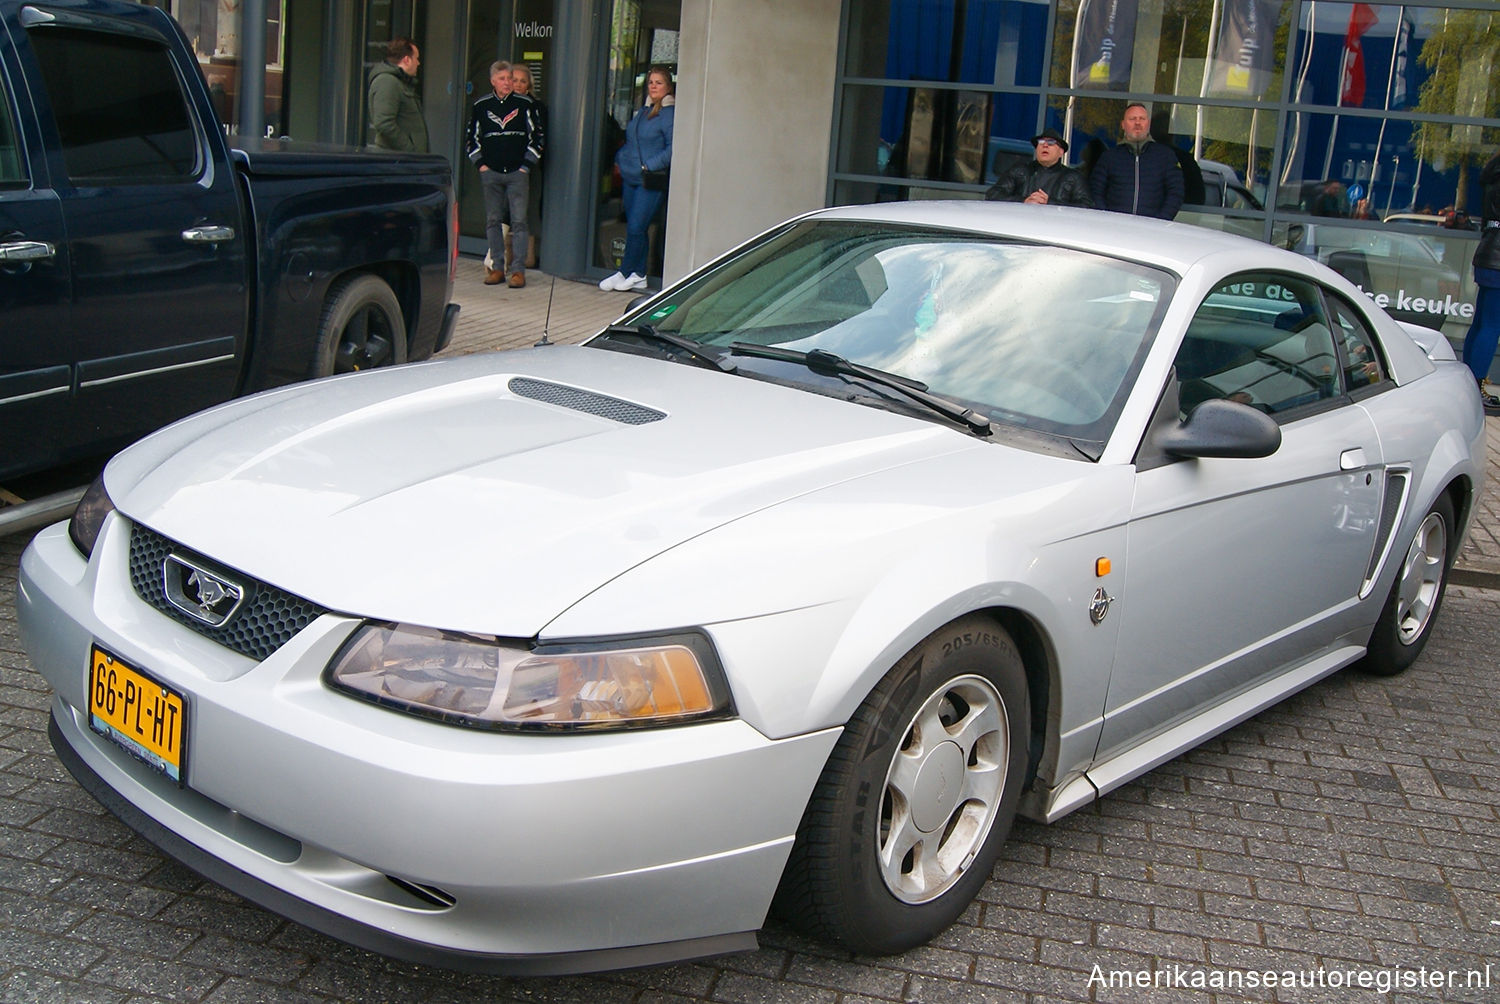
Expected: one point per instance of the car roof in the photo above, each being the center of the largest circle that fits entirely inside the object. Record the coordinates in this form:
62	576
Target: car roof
1176	247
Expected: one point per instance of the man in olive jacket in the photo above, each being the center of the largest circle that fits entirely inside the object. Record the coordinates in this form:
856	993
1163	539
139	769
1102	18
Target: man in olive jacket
396	121
1044	181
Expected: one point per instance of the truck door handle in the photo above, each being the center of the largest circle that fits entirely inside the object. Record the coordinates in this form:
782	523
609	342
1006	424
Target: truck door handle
208	234
21	251
1352	460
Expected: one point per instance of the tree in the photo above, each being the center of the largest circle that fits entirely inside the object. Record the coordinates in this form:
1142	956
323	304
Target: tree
1462	55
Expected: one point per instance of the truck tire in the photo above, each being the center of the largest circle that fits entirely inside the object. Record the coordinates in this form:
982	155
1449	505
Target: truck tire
362	327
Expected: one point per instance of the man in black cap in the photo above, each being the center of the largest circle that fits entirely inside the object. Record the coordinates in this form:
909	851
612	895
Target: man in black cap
1044	181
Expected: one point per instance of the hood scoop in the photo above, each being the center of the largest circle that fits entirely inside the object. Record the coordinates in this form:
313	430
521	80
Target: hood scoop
585	401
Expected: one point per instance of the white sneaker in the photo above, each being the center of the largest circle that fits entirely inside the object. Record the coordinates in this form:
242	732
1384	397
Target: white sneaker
613	283
634	283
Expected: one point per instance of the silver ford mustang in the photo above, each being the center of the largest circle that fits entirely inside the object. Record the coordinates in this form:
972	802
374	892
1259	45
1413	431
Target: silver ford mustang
788	590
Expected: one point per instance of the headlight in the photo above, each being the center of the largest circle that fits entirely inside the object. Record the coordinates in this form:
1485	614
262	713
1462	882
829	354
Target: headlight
486	682
88	518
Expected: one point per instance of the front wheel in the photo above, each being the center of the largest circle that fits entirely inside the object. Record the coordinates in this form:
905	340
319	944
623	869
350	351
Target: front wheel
906	822
1416	596
362	327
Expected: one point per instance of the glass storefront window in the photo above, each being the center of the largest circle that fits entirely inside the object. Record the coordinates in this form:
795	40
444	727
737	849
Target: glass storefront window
933	134
1398	57
1235	80
957	41
1364	167
213	29
1225	151
1230	49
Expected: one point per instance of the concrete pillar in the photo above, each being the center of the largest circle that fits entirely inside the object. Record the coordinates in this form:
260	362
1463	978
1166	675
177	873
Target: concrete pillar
751	139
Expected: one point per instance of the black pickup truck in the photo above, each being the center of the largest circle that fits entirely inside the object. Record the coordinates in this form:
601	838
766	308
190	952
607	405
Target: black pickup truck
148	269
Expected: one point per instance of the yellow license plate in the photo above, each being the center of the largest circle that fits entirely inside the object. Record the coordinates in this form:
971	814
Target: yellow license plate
146	717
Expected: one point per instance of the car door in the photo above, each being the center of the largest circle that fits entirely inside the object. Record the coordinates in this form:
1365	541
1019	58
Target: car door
151	213
35	349
1240	569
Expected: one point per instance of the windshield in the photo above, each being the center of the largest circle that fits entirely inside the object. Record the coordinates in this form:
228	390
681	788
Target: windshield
1037	337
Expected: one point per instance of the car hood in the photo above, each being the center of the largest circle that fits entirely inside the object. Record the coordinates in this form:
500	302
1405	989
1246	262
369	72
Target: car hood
489	493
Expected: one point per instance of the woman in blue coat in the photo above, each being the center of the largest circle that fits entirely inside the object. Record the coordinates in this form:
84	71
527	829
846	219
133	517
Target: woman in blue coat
647	147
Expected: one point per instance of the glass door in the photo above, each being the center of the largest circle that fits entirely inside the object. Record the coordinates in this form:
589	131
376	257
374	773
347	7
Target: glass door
642	34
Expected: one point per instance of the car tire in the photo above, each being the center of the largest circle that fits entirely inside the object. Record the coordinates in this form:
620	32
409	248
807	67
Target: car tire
918	796
1416	596
362	327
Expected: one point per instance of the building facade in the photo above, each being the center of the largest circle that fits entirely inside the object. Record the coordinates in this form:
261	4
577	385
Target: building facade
1350	132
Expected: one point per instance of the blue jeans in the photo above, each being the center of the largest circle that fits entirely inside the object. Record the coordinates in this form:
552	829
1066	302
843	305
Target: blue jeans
1484	332
506	190
641	207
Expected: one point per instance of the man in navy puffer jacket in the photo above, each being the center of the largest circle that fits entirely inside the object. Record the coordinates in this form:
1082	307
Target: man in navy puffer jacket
1138	176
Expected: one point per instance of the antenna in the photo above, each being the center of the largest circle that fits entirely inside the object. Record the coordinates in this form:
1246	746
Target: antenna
548	322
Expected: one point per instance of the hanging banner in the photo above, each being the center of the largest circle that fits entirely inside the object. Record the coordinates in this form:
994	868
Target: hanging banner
1104	44
1397	97
1352	87
1245	53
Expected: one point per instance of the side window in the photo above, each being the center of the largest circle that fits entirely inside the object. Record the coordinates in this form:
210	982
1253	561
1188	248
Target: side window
1362	365
120	111
1261	340
11	172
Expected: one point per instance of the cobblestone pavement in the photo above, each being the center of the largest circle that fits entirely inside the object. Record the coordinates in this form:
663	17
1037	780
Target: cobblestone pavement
1350	833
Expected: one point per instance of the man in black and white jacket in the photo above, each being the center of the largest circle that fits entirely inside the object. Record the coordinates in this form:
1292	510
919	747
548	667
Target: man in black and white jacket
505	142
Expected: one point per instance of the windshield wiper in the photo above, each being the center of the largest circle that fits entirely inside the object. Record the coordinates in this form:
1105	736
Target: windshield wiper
691	349
828	364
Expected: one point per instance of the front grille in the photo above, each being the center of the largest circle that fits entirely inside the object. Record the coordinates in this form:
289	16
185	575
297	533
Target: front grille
266	620
587	401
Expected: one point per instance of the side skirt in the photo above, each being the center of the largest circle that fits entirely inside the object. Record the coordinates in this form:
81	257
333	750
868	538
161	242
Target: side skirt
1107	775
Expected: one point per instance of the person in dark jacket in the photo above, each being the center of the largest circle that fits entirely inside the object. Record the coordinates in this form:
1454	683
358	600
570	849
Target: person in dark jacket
396	121
1046	180
1484	332
1138	175
504	140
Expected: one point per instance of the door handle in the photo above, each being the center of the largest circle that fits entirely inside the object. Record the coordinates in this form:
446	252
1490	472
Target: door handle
1352	460
210	234
23	251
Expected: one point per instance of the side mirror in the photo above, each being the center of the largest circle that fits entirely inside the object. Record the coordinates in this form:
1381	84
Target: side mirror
1218	428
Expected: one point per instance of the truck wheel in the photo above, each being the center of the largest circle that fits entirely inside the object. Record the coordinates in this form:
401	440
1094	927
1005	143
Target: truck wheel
361	328
904	826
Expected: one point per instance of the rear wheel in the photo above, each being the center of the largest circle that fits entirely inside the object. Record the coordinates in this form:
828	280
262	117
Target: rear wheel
362	327
1415	597
917	797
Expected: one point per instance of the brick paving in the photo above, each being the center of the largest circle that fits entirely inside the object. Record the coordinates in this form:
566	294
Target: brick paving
1351	831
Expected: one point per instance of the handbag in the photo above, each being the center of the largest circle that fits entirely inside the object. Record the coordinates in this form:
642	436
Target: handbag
655	181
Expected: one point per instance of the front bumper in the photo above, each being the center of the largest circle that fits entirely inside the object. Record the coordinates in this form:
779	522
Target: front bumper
473	850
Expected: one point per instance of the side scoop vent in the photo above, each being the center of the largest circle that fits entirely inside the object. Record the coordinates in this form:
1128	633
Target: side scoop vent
1391	505
585	401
